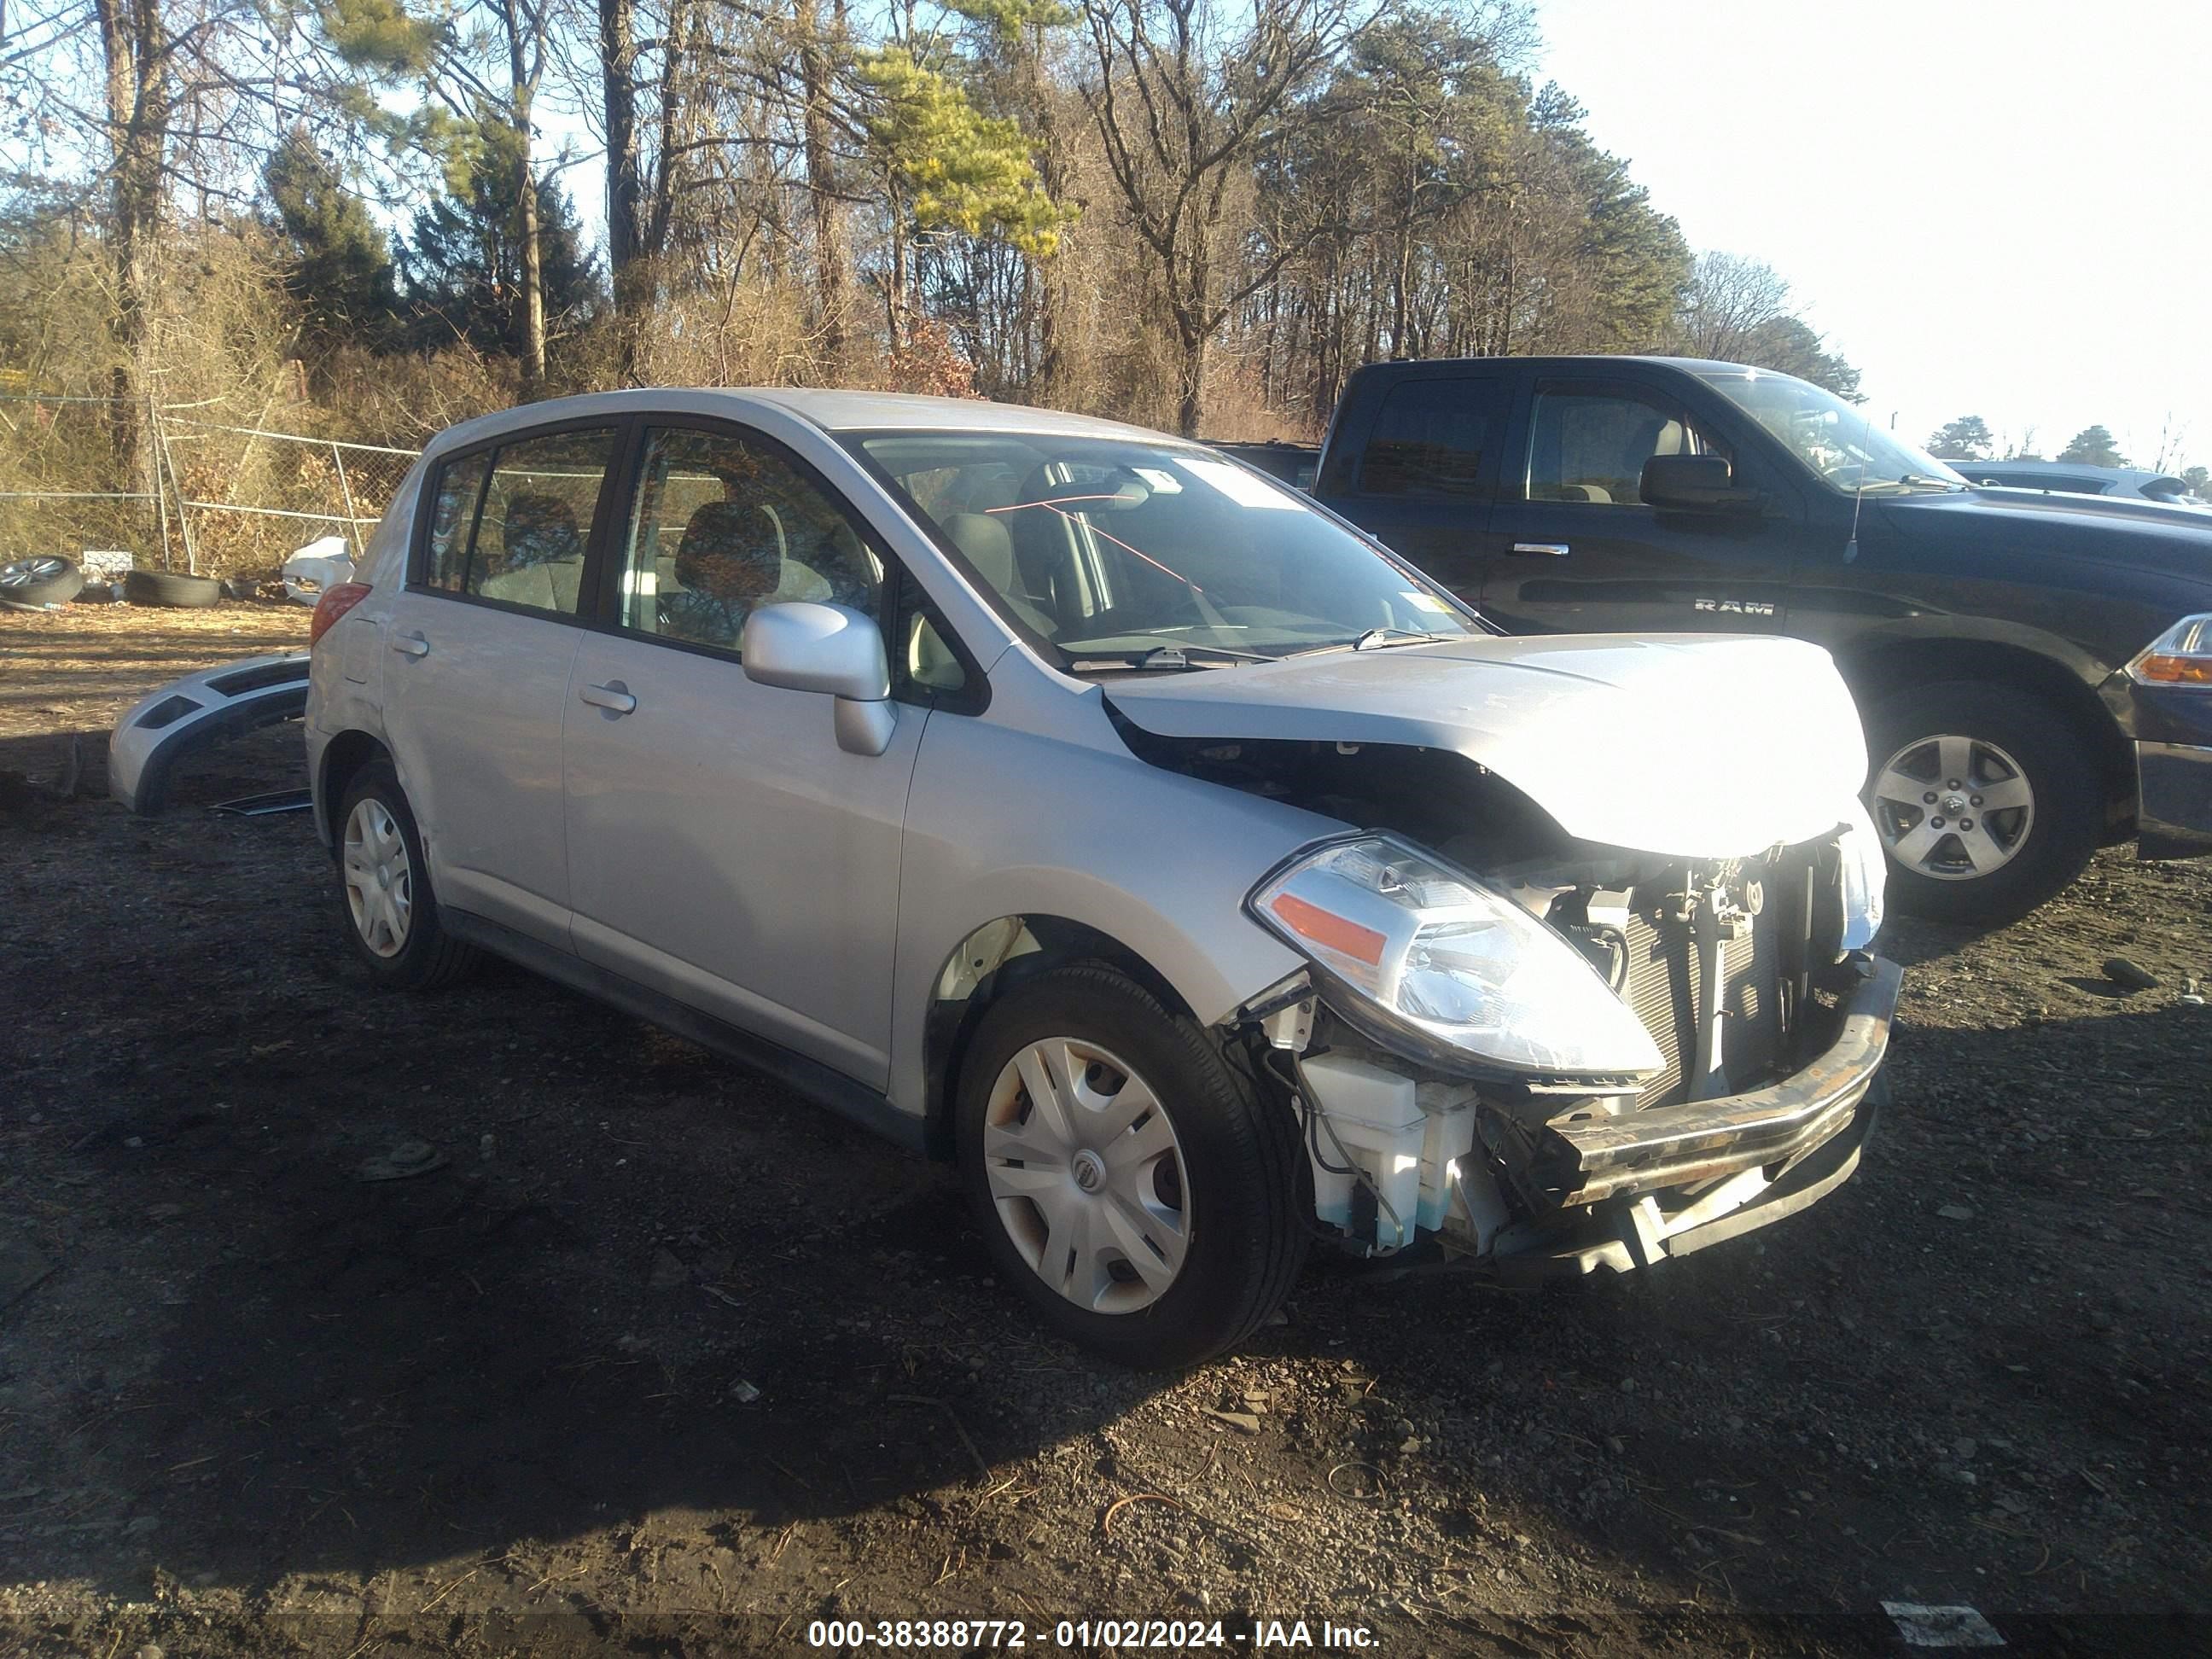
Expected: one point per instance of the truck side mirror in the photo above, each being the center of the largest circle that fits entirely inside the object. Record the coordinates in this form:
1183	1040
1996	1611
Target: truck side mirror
1692	483
831	649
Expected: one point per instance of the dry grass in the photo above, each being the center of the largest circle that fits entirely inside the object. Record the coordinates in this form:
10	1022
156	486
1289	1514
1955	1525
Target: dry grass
77	669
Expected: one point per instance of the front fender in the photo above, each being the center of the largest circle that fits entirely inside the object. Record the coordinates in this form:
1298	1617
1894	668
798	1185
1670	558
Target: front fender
1005	822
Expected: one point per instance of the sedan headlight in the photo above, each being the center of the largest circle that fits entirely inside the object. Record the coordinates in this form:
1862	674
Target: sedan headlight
1429	953
1864	872
2180	656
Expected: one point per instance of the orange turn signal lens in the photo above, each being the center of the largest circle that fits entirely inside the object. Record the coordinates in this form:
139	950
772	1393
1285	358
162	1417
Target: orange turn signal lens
1328	930
2162	668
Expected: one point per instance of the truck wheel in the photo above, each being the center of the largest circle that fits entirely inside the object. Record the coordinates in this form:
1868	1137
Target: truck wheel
1136	1191
1987	799
384	888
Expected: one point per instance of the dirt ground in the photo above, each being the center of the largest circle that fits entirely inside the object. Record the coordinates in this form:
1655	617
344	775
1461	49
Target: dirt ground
661	1360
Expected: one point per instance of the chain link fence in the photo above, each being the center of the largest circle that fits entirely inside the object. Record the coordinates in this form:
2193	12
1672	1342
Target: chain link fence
226	500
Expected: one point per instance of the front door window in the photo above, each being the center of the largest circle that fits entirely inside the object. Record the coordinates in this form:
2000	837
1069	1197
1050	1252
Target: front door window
1589	446
724	525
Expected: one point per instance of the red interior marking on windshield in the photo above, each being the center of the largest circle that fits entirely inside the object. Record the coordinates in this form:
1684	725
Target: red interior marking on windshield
1138	552
1054	503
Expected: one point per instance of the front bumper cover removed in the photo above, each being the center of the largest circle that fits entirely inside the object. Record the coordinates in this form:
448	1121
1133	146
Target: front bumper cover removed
1724	1166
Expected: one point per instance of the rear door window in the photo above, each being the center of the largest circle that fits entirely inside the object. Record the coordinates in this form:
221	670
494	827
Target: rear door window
1431	438
515	526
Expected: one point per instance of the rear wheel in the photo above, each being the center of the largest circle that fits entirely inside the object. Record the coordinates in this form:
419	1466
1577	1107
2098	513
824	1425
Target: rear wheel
1987	799
384	887
1135	1190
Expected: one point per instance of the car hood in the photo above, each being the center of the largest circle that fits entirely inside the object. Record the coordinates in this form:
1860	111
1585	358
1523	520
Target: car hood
2117	530
1690	746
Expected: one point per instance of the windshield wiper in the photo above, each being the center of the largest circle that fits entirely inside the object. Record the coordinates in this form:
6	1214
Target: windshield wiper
1379	637
1167	656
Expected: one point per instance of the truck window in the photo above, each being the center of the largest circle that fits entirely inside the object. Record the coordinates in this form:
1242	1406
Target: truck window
1429	437
1589	445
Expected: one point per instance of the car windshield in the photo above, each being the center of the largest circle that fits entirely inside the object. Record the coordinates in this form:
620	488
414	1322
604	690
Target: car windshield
1840	443
1120	554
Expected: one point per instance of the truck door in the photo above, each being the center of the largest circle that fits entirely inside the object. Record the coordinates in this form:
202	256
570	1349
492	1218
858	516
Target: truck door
1572	549
1421	476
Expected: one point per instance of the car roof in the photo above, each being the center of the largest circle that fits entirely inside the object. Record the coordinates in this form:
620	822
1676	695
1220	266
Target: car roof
830	410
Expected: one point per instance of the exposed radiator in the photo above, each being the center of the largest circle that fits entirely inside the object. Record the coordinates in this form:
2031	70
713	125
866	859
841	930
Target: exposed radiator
1663	986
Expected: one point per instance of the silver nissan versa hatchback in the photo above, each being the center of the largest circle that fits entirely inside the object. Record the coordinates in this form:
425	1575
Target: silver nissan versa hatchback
1078	804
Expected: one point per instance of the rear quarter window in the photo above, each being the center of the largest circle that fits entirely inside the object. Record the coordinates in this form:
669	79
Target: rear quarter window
454	503
513	524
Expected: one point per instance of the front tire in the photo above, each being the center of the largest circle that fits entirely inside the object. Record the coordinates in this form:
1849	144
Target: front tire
385	901
1987	799
1134	1188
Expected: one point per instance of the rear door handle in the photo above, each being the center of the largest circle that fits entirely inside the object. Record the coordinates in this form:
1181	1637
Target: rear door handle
410	645
1556	550
614	697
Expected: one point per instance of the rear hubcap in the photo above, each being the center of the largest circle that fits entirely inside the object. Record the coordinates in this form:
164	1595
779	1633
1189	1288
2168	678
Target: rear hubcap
380	883
1087	1176
1953	808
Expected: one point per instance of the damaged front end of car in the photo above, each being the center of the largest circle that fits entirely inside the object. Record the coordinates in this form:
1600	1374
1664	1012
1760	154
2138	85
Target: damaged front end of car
1595	1063
1553	1056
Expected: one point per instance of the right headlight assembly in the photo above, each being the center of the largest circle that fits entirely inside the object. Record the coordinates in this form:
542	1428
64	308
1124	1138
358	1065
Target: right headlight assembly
1427	953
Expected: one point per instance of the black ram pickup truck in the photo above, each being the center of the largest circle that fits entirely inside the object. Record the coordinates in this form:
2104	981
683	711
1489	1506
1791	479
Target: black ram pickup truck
2034	672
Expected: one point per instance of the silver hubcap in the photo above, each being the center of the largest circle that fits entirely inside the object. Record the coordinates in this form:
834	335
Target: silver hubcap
380	883
23	571
1953	808
1087	1175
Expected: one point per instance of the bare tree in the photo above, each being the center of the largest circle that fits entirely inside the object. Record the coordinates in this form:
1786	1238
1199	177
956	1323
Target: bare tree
1184	99
136	47
1730	300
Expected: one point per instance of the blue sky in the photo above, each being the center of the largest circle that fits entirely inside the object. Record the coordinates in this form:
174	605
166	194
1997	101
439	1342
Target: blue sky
1994	210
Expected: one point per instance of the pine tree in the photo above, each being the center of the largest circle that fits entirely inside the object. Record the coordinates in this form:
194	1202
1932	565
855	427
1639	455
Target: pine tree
1636	255
464	259
1967	439
339	266
2092	445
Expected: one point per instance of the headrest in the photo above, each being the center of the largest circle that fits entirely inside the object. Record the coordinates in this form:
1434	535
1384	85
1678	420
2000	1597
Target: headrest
988	545
723	532
992	487
541	529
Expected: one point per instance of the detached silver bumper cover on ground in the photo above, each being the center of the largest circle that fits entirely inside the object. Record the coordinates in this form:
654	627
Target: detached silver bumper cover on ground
1749	1159
199	709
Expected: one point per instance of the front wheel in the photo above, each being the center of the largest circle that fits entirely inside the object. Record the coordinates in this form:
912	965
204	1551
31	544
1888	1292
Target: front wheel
1987	800
1137	1191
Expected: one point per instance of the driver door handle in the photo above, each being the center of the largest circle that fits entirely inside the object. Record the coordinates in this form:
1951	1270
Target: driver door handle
1556	550
614	697
410	645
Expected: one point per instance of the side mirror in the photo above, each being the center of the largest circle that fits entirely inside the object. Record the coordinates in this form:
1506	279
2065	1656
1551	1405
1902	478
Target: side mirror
1692	483
832	649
